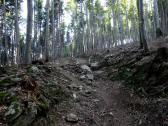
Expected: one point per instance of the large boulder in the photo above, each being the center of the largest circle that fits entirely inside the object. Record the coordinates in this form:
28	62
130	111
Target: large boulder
150	74
86	68
95	66
34	69
162	55
90	77
72	118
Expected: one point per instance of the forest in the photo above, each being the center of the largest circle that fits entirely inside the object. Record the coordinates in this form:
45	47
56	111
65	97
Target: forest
84	62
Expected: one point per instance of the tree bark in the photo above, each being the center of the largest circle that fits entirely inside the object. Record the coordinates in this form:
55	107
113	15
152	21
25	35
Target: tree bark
53	30
47	31
17	32
29	32
143	42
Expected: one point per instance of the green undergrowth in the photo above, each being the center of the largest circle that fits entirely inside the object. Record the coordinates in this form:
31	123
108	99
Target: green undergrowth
131	78
145	82
5	82
6	97
29	96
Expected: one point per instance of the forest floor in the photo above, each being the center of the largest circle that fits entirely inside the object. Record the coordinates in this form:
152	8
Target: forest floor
96	100
123	86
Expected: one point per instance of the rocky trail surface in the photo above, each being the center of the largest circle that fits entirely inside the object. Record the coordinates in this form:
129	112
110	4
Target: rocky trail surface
94	99
121	88
124	86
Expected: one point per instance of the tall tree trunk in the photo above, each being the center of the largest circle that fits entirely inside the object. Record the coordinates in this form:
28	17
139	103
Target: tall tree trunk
156	16
5	35
17	33
143	42
29	32
35	30
47	31
121	29
53	30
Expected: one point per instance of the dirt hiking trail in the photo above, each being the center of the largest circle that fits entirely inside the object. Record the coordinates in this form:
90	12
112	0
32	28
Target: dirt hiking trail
97	102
